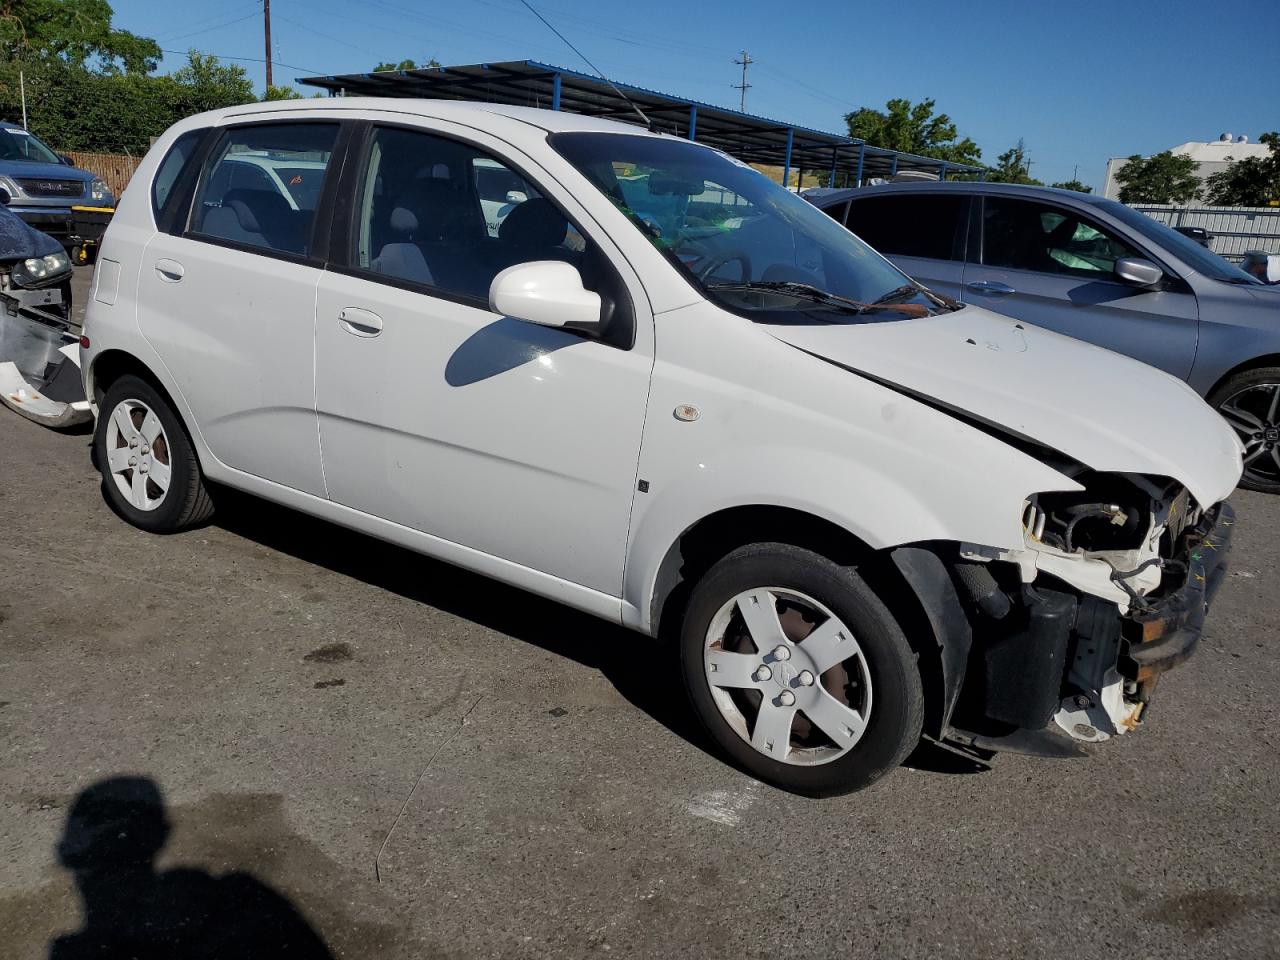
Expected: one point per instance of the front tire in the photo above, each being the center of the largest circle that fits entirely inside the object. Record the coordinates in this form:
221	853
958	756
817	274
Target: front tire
150	473
799	672
1250	402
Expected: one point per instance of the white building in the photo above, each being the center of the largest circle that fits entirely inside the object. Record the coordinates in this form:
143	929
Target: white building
1211	157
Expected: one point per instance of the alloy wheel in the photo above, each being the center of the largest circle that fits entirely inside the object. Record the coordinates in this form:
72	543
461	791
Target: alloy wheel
788	676
138	454
1254	413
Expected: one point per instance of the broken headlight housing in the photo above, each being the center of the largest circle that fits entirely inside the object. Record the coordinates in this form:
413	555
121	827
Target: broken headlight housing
40	271
1115	512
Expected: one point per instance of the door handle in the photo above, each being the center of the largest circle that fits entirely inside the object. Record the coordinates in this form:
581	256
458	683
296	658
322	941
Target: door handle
170	271
990	286
360	323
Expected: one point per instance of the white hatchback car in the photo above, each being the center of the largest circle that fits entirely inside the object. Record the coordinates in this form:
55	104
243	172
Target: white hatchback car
667	392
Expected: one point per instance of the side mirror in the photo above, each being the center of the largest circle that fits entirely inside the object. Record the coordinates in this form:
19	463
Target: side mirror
516	196
546	292
4	197
1139	272
63	158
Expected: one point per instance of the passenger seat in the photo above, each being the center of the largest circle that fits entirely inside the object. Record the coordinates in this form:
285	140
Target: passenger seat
403	258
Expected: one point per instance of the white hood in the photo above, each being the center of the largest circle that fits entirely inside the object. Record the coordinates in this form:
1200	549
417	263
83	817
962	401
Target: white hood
1108	411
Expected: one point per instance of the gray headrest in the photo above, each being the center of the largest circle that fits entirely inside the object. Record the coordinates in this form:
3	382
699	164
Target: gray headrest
403	220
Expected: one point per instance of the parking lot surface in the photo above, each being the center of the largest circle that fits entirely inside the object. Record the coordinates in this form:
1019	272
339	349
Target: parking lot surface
418	762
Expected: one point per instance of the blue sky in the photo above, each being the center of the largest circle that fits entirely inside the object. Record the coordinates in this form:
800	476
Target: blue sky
1079	82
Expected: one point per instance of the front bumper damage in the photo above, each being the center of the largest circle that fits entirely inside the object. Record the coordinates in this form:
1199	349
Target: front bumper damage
1045	667
40	357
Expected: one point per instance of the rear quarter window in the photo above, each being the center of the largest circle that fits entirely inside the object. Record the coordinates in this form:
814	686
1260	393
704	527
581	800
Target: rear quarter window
909	225
170	170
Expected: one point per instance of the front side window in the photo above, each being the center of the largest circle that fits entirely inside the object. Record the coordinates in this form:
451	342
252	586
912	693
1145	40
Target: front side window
907	225
1025	235
445	214
262	185
750	245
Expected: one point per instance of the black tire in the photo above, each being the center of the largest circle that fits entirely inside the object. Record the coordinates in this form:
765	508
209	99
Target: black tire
1264	478
897	711
186	502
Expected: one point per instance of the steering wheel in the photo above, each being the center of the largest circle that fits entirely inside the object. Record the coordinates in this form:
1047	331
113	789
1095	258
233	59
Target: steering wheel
720	259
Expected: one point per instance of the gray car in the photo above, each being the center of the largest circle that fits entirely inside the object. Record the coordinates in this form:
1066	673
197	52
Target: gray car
1096	270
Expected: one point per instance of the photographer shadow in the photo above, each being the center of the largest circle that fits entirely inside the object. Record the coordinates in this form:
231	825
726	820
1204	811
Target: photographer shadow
115	830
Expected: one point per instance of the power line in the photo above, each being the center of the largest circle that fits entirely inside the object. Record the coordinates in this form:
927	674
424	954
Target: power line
200	23
640	112
216	26
221	56
328	36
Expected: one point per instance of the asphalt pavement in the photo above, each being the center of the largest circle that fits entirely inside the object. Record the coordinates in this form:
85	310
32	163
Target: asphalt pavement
391	758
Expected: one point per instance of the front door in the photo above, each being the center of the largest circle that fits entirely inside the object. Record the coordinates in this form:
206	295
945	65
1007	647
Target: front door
516	440
1055	267
229	302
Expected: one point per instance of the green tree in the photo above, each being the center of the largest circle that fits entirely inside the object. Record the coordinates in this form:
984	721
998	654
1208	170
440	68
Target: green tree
1162	178
1013	166
281	93
912	128
1073	184
1251	182
206	83
406	65
76	33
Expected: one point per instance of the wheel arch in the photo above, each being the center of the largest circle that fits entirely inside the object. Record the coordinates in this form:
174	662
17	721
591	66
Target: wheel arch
714	536
1253	363
110	365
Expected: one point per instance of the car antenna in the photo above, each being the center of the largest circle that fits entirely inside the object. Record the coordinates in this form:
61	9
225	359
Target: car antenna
630	103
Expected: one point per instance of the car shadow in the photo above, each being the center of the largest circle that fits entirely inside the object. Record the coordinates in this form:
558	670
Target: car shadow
500	346
1094	292
115	831
609	648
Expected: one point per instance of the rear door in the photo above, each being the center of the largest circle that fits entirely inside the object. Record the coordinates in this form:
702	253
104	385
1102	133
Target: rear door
924	234
227	299
1053	266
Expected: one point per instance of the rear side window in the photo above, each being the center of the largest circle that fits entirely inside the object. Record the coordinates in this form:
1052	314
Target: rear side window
170	169
907	225
262	185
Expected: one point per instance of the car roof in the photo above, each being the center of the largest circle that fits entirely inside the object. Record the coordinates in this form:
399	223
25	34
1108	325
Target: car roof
553	121
830	198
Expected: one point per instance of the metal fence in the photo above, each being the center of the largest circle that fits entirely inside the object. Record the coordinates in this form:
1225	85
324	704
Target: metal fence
1234	229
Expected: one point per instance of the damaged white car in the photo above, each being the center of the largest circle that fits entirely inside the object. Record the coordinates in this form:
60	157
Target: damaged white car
665	391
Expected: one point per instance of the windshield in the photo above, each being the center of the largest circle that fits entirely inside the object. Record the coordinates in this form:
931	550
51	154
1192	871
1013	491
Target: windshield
752	246
1199	258
17	144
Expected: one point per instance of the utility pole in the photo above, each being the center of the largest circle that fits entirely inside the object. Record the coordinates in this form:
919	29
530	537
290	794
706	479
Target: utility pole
266	27
743	86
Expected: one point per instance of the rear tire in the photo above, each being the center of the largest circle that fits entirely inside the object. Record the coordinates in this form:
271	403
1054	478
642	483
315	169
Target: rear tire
1250	402
150	473
827	718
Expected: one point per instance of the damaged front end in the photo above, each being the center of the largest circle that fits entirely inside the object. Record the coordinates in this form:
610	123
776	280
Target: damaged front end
1064	641
39	342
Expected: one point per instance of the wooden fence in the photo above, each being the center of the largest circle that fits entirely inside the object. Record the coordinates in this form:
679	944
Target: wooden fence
114	169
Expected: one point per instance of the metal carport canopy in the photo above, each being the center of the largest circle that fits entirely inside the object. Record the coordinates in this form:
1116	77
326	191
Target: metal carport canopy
528	83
